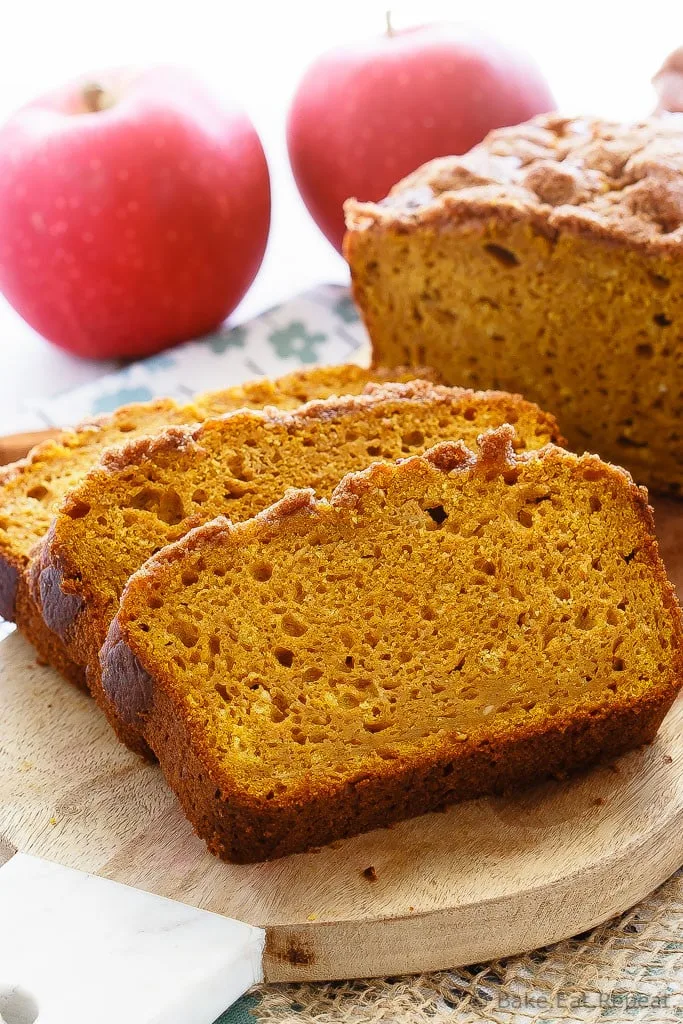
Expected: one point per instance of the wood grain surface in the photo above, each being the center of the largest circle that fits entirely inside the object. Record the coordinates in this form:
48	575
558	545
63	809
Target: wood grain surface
16	446
485	879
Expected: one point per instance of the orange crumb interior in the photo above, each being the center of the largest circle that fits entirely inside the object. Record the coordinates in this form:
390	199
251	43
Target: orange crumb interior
241	464
503	305
438	610
33	490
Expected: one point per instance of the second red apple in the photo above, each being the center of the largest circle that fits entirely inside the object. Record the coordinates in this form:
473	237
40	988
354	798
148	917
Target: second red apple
366	115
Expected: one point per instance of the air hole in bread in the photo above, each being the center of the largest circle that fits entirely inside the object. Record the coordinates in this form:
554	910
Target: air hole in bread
165	503
261	571
595	503
413	439
485	565
77	509
284	656
38	492
186	631
525	518
293	626
630	442
376	726
504	256
311	675
437	514
189	577
662	320
585	619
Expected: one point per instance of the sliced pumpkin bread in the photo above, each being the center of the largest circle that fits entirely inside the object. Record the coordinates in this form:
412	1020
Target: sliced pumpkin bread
443	628
153	491
32	490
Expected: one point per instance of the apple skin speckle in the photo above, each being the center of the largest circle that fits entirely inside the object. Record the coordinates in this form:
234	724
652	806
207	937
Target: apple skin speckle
143	204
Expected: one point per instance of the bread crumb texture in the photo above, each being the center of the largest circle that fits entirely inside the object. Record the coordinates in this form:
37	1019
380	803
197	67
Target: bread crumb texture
546	261
443	627
32	490
153	491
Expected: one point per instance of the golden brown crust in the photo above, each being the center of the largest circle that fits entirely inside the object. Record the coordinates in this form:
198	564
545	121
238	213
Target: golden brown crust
78	602
240	825
617	182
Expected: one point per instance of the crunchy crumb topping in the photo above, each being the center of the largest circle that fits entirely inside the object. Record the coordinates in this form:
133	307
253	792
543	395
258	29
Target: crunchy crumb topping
618	181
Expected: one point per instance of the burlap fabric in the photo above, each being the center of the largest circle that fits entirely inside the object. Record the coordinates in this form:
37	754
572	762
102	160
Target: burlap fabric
629	969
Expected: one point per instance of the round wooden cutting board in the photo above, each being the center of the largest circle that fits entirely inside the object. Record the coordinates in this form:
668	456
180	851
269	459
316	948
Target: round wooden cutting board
485	879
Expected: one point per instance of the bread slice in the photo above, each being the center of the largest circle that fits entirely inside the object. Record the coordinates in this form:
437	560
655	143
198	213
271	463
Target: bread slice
32	490
444	627
548	260
153	491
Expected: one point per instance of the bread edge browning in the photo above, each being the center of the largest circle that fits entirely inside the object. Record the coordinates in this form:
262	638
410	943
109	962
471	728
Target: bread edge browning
243	829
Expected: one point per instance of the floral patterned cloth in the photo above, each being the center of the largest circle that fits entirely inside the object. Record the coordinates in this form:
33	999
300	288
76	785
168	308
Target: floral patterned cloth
320	326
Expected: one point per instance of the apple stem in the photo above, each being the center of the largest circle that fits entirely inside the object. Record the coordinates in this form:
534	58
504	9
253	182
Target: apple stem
390	27
95	98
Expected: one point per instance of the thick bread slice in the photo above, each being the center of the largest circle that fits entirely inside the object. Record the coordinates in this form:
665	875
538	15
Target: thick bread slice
446	627
153	491
32	490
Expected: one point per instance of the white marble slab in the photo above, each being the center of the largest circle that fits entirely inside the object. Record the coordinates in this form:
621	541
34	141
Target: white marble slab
75	949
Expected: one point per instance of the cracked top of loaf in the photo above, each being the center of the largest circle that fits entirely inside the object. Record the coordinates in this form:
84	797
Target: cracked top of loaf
620	182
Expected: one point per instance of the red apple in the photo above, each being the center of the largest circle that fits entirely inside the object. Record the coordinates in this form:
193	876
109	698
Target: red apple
366	115
134	212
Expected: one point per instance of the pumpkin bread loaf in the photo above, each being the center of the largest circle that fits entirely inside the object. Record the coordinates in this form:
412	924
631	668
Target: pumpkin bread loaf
443	628
32	490
548	260
153	491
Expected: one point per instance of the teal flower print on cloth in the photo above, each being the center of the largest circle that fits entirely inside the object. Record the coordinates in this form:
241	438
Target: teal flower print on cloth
113	399
346	310
294	341
234	338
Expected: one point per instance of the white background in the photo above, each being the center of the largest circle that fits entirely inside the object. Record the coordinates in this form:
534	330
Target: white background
597	56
